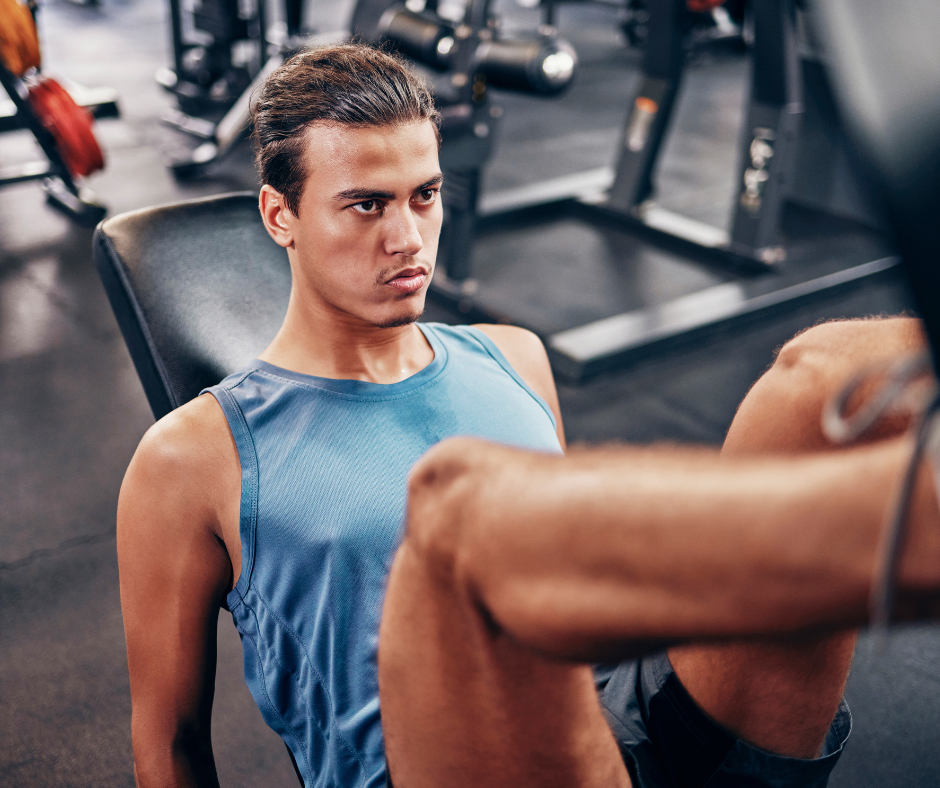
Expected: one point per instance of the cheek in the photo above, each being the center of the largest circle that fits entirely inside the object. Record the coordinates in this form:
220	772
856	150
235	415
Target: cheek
431	229
339	241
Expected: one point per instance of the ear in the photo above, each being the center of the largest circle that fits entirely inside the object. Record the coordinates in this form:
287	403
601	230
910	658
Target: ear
276	216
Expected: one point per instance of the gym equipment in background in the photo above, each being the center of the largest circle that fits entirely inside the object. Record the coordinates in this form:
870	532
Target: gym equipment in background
69	125
218	48
19	39
223	51
62	128
462	58
791	151
20	52
774	158
709	22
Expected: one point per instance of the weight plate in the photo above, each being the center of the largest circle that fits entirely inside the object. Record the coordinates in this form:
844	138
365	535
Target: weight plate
19	42
69	125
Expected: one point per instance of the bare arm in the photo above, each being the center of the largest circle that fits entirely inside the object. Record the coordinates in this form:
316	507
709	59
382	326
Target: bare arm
604	554
525	351
175	572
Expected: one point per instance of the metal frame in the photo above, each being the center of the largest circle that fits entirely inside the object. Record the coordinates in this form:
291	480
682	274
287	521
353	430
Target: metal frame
620	197
221	136
775	109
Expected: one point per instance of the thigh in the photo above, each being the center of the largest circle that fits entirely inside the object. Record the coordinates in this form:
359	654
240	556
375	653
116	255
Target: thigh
782	695
462	705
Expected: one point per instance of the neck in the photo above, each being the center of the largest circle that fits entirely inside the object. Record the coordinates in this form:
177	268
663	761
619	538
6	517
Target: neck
328	343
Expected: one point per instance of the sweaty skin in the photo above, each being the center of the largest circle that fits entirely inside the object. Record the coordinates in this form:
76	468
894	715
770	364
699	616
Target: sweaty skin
362	251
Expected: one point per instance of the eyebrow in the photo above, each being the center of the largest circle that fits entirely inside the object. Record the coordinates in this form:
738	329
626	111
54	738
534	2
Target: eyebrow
377	194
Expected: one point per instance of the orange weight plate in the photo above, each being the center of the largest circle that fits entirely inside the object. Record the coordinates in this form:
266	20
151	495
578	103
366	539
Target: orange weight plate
19	42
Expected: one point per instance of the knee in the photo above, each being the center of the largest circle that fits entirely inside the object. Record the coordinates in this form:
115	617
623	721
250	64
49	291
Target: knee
783	410
842	347
440	501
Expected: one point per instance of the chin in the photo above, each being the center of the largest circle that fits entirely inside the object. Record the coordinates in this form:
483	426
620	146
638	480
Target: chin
403	319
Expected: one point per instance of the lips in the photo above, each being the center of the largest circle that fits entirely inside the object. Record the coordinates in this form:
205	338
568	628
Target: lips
410	280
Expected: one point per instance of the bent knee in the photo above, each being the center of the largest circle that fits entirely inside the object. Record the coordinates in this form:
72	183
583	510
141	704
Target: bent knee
439	499
783	410
845	346
816	364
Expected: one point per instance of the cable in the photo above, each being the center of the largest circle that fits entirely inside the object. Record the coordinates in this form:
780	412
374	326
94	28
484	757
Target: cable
841	429
881	602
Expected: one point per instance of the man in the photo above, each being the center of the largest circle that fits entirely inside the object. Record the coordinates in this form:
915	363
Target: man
281	493
516	567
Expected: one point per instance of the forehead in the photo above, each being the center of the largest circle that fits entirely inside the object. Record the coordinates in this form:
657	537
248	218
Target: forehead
342	157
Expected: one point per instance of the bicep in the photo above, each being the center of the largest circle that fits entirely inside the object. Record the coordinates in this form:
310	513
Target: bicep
526	353
173	575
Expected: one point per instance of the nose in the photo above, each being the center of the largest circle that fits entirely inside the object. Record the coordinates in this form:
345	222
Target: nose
402	235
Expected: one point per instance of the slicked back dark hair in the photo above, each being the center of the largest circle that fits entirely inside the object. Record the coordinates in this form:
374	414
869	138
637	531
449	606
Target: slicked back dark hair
351	84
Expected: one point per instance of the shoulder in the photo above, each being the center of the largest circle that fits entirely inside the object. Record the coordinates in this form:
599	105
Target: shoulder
187	461
523	349
188	438
526	354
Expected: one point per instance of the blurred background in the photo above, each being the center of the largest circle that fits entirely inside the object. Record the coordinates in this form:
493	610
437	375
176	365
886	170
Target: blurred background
662	193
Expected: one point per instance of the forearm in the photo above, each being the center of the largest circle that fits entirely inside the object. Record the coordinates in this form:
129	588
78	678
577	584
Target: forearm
606	553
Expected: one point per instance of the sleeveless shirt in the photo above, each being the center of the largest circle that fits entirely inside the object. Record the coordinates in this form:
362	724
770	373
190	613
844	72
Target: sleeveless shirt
324	464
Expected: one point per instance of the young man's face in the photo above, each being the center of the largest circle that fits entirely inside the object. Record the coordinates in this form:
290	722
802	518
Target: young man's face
365	241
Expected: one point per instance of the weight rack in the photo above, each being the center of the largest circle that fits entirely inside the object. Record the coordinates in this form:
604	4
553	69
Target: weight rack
62	190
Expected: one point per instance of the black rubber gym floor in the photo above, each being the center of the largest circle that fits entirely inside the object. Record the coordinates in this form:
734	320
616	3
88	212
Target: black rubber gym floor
72	410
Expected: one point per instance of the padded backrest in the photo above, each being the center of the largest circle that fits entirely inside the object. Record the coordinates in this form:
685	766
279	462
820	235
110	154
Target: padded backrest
885	63
198	289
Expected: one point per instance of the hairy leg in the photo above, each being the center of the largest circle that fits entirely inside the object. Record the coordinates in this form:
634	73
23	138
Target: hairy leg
462	704
782	695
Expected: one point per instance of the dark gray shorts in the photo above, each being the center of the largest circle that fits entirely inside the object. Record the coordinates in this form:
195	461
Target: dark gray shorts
668	742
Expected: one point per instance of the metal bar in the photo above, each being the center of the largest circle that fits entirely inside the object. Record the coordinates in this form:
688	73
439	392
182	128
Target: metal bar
197	127
24	172
588	349
770	134
650	112
235	121
102	102
696	232
176	32
580	185
700	242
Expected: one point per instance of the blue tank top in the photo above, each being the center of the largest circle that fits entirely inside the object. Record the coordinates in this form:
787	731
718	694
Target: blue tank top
324	464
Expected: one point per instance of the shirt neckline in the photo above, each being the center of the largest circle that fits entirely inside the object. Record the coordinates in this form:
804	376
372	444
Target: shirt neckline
365	387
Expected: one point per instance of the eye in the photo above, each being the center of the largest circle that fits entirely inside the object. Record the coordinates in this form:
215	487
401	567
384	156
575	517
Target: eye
427	196
367	207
